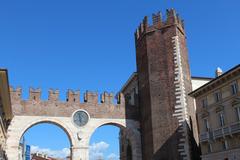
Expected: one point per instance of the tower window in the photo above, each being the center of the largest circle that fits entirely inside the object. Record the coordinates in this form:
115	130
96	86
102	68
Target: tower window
237	109
225	145
206	124
234	88
209	148
204	103
221	119
218	96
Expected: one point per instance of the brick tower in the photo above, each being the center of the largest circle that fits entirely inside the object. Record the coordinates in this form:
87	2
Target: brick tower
164	81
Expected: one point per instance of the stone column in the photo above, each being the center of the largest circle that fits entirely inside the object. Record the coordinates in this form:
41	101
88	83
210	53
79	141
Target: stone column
80	153
13	153
12	144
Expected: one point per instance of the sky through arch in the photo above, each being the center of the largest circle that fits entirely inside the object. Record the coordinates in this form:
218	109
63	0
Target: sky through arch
48	138
104	143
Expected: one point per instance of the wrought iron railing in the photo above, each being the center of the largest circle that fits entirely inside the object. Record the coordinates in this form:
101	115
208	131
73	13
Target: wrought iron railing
204	137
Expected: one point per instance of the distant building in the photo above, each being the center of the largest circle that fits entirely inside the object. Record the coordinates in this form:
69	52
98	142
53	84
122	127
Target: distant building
218	115
39	156
5	111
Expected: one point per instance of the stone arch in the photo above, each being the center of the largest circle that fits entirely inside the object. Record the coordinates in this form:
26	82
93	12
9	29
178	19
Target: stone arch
131	130
54	122
20	124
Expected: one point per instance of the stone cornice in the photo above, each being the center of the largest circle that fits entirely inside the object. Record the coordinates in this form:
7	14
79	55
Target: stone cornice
217	81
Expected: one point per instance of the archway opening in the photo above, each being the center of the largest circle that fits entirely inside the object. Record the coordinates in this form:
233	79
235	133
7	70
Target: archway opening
45	140
110	142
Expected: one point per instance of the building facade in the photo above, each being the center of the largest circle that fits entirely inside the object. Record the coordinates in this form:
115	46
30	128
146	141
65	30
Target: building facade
5	111
218	114
39	156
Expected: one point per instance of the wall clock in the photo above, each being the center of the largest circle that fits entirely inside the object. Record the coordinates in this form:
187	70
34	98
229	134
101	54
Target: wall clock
80	118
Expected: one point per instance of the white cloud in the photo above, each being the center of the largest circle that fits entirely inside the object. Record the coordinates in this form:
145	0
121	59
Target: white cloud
53	153
112	156
96	150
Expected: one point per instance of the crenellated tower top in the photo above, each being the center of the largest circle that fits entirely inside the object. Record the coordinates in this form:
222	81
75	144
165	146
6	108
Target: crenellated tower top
172	18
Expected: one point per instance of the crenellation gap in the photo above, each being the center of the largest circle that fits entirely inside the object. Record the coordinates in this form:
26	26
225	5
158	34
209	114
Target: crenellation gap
107	98
91	97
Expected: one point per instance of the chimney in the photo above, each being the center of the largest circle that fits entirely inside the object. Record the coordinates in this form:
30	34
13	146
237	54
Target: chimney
218	72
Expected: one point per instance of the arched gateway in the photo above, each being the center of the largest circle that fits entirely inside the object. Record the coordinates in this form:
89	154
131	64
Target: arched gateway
78	120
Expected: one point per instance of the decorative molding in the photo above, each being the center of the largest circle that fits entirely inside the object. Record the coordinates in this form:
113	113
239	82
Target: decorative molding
219	108
181	102
235	102
205	114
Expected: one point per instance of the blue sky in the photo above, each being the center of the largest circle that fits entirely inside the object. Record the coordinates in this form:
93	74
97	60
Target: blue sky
89	45
52	140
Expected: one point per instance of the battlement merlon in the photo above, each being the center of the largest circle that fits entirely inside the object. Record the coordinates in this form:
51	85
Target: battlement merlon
172	18
53	95
71	96
35	94
15	94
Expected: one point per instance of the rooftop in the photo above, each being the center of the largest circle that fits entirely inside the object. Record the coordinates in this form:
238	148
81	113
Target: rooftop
216	81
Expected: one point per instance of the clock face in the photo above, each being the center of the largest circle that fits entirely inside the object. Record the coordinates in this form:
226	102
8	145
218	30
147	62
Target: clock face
80	118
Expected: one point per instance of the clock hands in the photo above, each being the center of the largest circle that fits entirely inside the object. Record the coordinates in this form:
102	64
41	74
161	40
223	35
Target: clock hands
80	118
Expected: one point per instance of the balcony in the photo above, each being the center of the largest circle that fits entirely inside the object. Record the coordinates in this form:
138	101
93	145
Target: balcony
227	130
235	128
221	132
204	137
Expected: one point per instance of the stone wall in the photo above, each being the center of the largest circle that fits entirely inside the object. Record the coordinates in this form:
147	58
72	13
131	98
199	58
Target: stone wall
33	111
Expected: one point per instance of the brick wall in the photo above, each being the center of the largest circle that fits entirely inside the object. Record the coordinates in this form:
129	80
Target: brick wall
103	107
156	68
